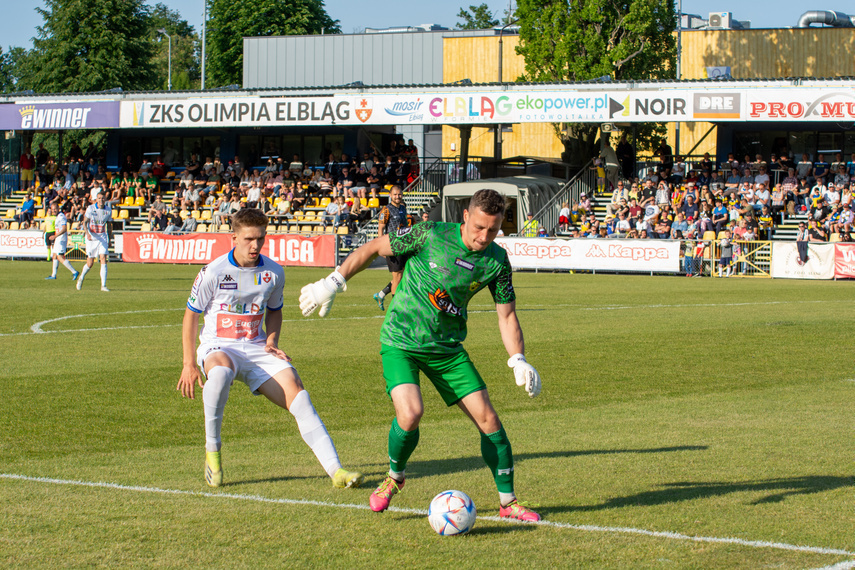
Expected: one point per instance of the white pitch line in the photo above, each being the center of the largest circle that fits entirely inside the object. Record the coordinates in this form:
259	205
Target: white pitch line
549	524
845	565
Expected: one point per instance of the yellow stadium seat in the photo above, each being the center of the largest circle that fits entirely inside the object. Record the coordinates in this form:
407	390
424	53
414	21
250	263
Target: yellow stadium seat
306	229
720	235
10	213
271	229
75	226
124	215
114	214
329	230
197	215
140	201
387	187
13	225
325	202
364	202
202	228
709	236
170	174
129	201
40	213
835	237
37	200
225	228
342	230
374	203
310	215
206	215
146	227
184	214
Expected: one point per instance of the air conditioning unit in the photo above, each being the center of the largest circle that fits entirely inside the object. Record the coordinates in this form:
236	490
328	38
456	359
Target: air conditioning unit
721	20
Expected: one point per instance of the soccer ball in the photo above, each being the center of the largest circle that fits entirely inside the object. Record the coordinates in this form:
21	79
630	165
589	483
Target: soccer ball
451	512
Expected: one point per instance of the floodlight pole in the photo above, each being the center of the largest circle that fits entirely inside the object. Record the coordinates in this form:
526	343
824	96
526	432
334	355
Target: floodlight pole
679	76
204	29
497	139
169	78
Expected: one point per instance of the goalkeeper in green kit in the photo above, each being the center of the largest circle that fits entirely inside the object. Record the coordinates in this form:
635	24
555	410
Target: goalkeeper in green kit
447	264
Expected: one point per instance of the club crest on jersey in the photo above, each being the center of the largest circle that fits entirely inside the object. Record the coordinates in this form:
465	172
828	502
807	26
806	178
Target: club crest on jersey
260	278
474	285
464	264
442	301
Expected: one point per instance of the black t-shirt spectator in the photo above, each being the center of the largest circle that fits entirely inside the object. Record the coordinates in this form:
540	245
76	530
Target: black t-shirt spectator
159	223
648	194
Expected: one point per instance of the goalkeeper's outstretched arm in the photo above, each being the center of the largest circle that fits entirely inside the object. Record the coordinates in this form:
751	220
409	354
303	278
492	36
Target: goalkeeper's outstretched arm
363	256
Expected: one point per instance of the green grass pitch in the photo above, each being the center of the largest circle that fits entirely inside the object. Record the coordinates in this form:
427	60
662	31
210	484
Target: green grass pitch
695	409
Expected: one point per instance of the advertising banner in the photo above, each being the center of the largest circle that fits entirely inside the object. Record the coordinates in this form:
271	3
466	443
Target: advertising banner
844	261
820	263
800	104
22	243
288	250
60	116
661	256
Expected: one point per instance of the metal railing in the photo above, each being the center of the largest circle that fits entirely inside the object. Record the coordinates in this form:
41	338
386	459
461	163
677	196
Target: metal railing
10	178
547	217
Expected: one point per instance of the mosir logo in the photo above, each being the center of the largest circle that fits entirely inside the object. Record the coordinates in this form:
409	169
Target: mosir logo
159	249
291	250
54	118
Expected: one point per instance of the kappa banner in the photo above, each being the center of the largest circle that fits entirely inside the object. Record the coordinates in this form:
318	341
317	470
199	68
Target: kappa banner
661	256
26	243
287	250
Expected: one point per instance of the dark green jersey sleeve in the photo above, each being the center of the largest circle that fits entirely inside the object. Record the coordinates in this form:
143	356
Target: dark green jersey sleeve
408	241
502	287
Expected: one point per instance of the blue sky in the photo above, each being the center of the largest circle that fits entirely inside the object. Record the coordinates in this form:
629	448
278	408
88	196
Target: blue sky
18	31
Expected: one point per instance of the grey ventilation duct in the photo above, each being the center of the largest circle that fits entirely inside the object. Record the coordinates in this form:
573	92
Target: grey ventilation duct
827	17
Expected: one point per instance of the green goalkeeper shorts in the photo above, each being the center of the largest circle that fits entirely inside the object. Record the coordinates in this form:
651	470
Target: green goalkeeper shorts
453	375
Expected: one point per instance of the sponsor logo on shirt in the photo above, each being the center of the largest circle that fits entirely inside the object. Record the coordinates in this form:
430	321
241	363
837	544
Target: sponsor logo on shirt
228	278
442	301
464	264
442	270
240	308
228	285
239	326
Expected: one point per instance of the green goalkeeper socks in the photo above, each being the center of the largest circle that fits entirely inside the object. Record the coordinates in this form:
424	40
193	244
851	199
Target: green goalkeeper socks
401	446
497	454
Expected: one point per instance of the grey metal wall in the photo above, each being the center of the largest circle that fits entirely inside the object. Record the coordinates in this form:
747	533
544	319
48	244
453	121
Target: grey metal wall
401	58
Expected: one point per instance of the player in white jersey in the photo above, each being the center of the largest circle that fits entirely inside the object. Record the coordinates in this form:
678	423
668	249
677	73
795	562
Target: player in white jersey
240	296
96	225
59	241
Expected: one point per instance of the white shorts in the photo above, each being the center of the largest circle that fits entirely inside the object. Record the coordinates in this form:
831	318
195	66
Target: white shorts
60	245
253	365
97	246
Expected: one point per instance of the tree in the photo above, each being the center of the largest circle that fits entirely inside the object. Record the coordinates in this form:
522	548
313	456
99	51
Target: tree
230	21
91	45
11	64
616	40
476	18
186	60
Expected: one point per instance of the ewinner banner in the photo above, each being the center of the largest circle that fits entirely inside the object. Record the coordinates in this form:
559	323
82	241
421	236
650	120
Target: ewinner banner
661	256
844	260
22	243
287	250
60	116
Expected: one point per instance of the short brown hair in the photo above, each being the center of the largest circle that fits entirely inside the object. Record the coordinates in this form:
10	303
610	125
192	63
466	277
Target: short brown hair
251	217
488	201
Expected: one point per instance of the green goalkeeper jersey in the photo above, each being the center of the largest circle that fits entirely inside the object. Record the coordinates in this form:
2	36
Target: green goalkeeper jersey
441	275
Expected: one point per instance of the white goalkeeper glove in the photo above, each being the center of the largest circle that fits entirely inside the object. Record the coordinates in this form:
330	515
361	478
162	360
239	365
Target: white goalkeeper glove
525	374
321	293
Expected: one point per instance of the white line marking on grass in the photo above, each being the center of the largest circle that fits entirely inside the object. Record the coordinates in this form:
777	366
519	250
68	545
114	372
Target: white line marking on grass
584	527
845	565
37	328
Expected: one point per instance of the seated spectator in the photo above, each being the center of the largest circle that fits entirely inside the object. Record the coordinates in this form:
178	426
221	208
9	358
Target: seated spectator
680	225
734	181
820	167
175	223
253	195
815	231
159	221
585	203
762	197
27	211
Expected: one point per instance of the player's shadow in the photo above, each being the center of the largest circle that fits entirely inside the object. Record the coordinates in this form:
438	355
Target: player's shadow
471	463
273	480
774	490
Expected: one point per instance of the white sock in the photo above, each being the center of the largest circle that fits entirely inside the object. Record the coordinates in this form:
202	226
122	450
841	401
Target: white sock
55	267
314	432
83	273
70	267
103	275
215	394
506	499
396	475
381	294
